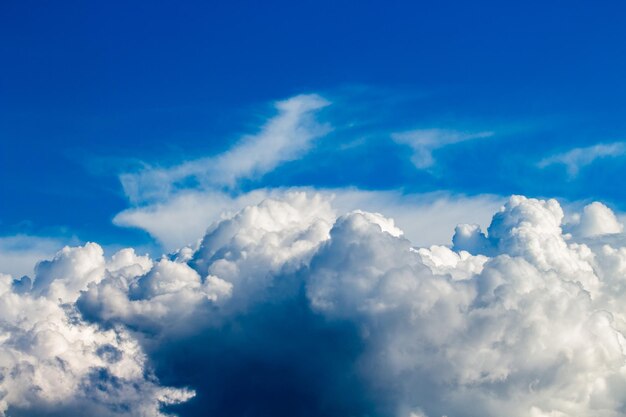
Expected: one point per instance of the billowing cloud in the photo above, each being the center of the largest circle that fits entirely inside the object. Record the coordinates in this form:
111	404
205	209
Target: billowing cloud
285	137
424	142
52	362
596	219
292	307
426	219
576	159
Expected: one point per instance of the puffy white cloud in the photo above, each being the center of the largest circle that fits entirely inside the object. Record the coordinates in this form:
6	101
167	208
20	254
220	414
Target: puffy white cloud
183	219
523	319
150	296
527	332
596	219
51	361
238	258
459	265
426	219
69	272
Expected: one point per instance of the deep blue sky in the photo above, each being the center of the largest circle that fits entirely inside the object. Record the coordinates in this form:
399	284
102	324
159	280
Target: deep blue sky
87	89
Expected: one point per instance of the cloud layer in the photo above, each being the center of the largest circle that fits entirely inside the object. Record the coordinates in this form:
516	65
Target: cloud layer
286	308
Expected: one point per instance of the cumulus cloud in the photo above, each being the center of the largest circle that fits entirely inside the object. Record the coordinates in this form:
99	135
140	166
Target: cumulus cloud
525	332
52	362
425	219
576	159
285	137
291	307
596	219
424	142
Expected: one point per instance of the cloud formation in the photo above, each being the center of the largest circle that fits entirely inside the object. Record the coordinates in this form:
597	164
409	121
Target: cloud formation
52	362
284	137
596	219
426	218
576	159
424	142
287	308
176	204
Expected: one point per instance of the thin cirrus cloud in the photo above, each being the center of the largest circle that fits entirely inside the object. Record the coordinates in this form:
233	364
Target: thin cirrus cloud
576	159
424	142
284	137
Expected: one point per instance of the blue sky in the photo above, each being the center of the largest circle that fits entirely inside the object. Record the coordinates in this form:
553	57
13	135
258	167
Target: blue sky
526	98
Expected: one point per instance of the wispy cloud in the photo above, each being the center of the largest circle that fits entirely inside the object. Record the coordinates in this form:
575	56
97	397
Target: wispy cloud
578	158
286	136
425	141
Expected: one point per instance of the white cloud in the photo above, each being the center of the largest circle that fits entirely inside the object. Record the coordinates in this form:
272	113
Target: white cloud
528	321
286	136
426	219
51	361
184	217
526	332
425	141
479	330
596	219
69	272
578	158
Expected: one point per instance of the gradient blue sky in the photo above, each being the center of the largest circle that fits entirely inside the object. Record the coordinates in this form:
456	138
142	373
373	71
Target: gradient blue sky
91	90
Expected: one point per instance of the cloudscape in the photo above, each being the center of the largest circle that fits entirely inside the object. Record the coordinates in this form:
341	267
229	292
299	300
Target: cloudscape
320	209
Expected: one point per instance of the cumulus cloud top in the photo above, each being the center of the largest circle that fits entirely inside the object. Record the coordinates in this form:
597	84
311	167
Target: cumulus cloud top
286	308
597	219
425	219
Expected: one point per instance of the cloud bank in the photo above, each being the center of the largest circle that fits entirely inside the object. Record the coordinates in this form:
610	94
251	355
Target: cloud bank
286	308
